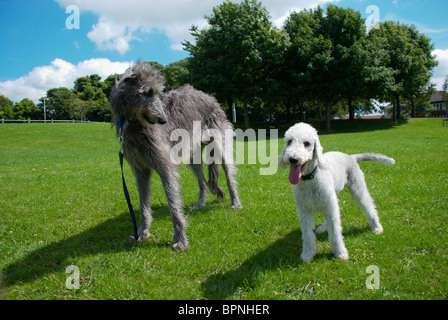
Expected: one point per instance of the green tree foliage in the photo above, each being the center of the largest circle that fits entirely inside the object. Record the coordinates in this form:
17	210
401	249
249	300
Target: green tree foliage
445	91
60	104
176	74
318	63
407	53
329	55
6	108
94	104
325	57
234	55
26	109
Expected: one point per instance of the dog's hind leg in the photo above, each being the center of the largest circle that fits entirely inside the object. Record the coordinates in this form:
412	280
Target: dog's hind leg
213	176
199	173
358	189
230	170
170	181
143	185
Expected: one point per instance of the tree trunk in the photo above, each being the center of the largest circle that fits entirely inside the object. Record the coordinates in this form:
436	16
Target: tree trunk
327	116
288	107
351	112
398	107
230	104
412	108
301	109
246	116
394	111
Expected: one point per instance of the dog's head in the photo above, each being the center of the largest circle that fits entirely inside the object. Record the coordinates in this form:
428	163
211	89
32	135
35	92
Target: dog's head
302	145
137	95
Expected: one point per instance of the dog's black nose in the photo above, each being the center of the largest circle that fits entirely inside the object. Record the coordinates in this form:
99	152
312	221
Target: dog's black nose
161	120
293	160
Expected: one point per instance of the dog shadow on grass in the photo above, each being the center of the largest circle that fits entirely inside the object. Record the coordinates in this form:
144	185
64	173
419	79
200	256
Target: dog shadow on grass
284	253
110	236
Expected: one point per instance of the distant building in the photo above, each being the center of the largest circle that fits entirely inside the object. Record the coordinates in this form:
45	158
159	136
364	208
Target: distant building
388	111
439	103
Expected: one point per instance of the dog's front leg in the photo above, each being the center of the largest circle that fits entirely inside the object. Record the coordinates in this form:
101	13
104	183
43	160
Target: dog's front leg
306	220
143	185
170	181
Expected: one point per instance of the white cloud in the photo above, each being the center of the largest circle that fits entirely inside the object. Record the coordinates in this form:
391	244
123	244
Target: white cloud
119	21
441	71
118	25
109	35
59	73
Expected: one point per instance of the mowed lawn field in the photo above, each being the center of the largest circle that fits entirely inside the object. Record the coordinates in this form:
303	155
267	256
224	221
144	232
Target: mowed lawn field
62	204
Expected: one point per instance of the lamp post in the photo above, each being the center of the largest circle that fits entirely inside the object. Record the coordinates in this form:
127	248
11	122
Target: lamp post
45	112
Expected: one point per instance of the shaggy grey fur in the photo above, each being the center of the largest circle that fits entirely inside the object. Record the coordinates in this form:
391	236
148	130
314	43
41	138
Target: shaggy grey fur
151	116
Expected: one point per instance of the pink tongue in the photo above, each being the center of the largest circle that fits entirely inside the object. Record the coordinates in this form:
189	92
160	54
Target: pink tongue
295	173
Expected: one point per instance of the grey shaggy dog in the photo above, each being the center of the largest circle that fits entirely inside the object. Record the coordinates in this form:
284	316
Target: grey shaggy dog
151	115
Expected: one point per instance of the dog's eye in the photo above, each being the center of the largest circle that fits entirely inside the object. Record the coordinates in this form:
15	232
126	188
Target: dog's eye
150	92
306	144
289	142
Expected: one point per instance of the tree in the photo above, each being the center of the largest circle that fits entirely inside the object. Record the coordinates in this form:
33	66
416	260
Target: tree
60	104
6	108
408	55
92	102
445	92
301	28
234	55
89	88
328	56
176	74
108	85
26	109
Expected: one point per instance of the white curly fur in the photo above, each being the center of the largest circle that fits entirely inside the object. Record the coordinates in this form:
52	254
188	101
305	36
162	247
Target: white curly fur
335	170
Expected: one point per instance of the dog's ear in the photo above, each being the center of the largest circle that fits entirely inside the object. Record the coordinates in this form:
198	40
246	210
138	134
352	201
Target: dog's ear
318	152
281	162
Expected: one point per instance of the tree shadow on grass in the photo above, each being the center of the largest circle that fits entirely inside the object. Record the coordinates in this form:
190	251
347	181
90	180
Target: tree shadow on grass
284	253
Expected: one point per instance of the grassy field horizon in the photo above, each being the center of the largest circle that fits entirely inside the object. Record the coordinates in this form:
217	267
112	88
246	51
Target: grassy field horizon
62	205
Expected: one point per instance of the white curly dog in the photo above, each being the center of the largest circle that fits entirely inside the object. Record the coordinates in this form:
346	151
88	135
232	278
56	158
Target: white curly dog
317	179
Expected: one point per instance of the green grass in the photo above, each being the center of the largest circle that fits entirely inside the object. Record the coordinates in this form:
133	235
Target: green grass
62	204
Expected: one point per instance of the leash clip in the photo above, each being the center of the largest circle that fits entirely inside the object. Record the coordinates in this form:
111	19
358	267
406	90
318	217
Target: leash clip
121	141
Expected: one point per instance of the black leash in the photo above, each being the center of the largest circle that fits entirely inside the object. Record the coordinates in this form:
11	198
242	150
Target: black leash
125	189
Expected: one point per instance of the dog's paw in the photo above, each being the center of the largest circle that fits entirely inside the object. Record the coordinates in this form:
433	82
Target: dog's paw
142	236
237	206
180	246
343	255
196	207
378	229
322	228
307	256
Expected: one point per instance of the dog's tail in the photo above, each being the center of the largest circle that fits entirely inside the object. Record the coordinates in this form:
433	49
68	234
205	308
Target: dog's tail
213	175
376	157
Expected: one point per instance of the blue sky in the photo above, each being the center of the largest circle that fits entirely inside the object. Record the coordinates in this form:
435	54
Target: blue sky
39	52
